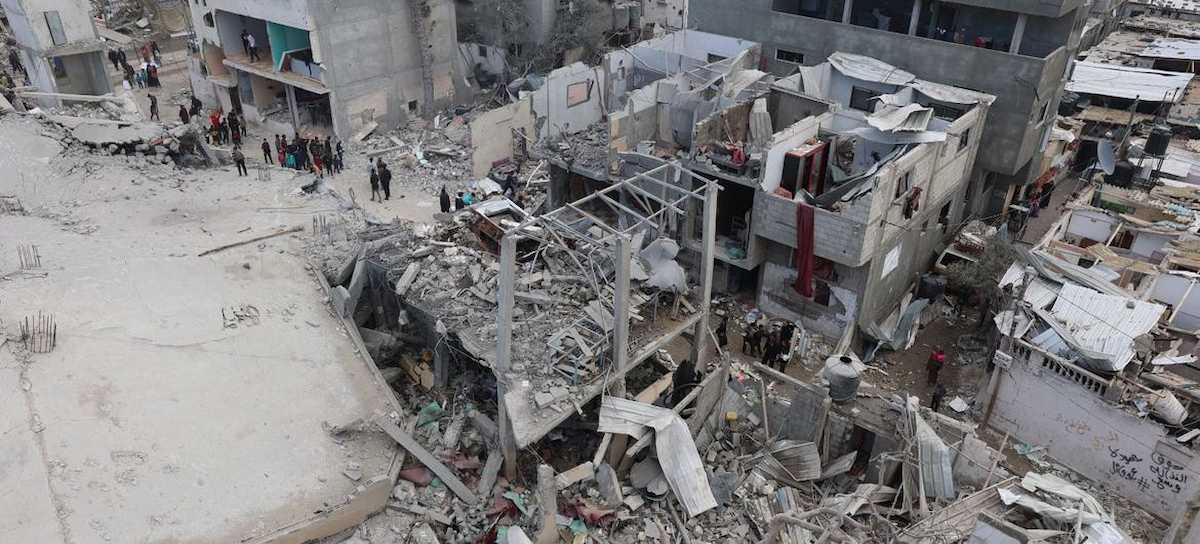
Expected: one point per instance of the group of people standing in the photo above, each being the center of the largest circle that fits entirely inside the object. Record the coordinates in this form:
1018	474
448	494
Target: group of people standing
224	128
381	178
764	339
145	76
309	154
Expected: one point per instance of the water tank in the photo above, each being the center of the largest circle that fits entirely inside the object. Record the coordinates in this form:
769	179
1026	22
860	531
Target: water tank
1068	105
1122	175
843	378
1160	136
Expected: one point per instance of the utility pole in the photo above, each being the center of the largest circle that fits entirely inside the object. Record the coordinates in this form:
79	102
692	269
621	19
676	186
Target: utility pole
1015	301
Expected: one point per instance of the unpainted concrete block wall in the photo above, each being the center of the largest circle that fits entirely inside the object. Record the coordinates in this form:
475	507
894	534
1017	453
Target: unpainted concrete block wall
33	31
1106	443
550	101
373	60
492	134
1016	81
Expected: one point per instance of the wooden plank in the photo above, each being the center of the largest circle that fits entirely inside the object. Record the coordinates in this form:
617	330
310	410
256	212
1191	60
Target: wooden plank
251	241
440	470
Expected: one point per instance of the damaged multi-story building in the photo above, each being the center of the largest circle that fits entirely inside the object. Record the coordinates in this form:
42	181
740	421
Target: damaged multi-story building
337	68
58	46
873	162
1016	51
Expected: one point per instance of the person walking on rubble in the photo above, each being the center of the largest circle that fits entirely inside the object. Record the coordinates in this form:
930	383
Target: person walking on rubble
375	185
153	107
444	200
385	181
723	333
239	160
770	352
184	116
266	148
458	201
939	393
934	365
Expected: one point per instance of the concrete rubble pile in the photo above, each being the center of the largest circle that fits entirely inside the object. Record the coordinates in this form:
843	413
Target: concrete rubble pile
587	149
181	144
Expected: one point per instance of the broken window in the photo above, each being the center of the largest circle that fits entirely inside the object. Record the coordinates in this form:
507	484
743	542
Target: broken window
60	69
861	99
783	55
964	139
208	20
483	51
412	106
54	22
942	111
578	93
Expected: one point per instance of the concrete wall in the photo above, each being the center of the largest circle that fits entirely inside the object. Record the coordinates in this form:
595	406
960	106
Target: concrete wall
492	134
1041	406
33	32
1092	224
665	13
554	116
373	62
1147	244
85	74
1012	139
293	13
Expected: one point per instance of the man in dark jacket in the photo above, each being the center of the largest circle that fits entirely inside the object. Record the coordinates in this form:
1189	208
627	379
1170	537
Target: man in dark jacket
385	180
266	148
184	116
444	200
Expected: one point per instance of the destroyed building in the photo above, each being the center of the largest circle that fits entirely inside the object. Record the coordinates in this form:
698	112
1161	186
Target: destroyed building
1100	372
1017	52
877	159
336	68
565	119
58	47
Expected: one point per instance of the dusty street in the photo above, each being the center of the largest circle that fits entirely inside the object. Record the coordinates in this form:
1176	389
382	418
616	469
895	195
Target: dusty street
186	395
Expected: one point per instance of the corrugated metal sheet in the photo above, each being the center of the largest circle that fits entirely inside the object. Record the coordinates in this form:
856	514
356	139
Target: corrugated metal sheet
1128	82
1172	48
937	461
1103	323
910	118
673	442
1041	293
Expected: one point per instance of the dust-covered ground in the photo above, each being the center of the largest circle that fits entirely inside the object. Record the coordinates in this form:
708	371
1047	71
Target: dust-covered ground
185	397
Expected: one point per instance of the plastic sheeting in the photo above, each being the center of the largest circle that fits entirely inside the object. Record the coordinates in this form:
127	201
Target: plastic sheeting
665	273
1128	82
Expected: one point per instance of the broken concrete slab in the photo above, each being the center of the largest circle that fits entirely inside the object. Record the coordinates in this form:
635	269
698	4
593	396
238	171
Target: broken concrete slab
576	474
406	280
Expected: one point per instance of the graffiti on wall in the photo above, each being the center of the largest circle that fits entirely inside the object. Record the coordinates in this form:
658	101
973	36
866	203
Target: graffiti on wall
1158	473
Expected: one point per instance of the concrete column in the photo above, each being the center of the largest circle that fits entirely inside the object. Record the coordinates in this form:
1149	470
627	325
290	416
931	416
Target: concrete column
916	16
292	106
931	32
504	319
700	336
1018	33
620	334
846	10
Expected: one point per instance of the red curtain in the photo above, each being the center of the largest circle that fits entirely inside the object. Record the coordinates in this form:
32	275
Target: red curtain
804	249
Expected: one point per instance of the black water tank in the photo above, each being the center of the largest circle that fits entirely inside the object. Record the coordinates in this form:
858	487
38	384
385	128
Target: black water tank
1068	106
1160	136
1122	175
